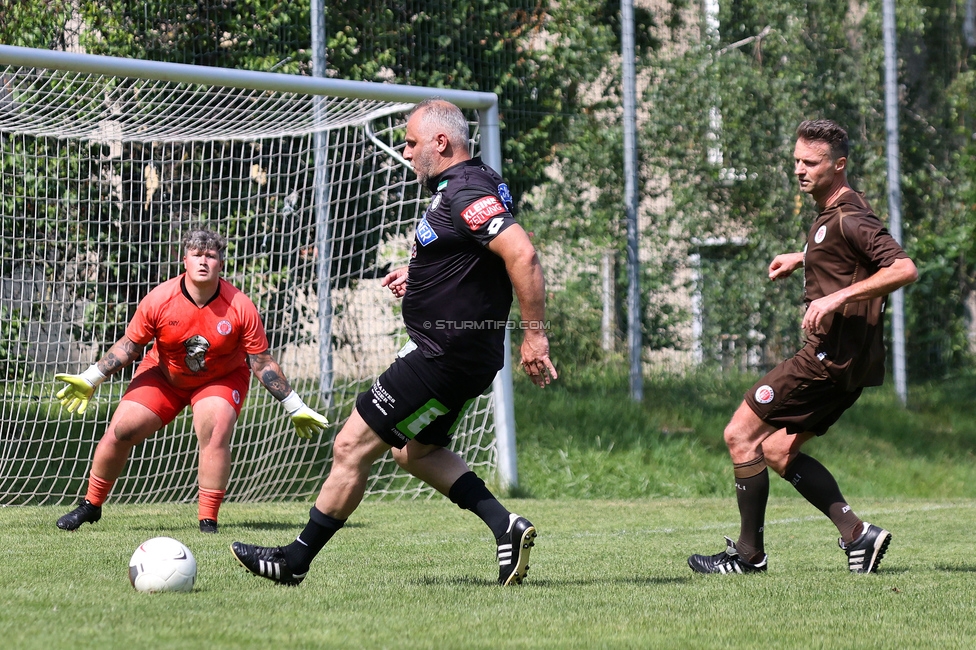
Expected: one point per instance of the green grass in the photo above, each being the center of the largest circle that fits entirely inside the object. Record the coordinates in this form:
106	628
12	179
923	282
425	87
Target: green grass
605	574
584	438
621	493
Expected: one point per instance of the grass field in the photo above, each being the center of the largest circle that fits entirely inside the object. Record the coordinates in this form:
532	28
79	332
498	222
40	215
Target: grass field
605	574
582	437
621	494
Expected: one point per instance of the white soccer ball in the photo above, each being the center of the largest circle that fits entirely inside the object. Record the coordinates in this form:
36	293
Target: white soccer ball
162	564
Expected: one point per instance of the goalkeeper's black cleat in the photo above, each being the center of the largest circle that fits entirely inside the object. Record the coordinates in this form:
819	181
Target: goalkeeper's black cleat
513	550
208	526
86	511
728	561
266	562
864	553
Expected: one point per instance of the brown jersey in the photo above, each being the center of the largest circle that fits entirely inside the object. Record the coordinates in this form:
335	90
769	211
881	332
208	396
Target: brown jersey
846	244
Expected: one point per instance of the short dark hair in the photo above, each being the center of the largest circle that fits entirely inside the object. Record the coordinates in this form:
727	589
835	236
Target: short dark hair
202	239
826	131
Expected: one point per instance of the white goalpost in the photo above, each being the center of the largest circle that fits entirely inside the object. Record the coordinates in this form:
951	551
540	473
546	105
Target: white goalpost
105	161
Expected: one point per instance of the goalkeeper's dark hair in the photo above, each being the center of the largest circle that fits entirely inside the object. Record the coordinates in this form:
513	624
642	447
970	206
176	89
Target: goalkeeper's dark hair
446	115
828	132
201	239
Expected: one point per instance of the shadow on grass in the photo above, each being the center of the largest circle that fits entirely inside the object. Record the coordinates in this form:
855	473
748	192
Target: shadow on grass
613	580
277	525
519	492
467	581
887	571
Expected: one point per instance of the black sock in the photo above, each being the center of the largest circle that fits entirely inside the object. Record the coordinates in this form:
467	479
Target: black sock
817	485
470	493
751	493
319	530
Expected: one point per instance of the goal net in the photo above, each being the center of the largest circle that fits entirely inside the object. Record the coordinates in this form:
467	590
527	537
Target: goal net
99	176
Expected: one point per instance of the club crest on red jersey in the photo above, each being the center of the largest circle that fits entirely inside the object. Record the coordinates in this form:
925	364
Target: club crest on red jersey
224	327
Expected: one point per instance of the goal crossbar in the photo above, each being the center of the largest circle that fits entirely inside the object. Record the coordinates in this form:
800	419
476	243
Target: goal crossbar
232	78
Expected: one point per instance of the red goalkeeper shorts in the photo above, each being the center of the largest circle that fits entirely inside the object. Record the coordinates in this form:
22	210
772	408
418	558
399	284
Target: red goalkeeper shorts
150	388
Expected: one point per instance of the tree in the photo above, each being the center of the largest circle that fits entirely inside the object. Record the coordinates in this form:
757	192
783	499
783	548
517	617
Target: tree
535	55
554	66
775	64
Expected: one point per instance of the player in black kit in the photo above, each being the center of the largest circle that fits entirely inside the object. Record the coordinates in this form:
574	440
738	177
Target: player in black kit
468	255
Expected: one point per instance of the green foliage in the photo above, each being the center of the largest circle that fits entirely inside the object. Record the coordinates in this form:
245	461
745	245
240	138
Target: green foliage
14	361
38	23
537	58
945	238
775	64
247	34
574	333
555	68
576	215
745	209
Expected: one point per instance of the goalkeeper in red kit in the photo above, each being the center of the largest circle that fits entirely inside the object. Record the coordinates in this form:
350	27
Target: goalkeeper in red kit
209	338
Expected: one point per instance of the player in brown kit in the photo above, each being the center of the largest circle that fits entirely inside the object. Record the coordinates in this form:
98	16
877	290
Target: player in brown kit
850	264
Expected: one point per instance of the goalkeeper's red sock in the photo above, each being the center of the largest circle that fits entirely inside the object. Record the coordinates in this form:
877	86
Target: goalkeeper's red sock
210	501
98	489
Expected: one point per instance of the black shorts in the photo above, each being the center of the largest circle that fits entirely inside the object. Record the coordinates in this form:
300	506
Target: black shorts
800	396
419	399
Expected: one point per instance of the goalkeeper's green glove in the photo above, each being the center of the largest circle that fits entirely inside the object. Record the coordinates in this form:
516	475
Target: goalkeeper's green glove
306	420
78	392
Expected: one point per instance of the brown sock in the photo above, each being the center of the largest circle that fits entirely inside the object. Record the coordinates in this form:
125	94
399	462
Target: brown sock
817	485
752	493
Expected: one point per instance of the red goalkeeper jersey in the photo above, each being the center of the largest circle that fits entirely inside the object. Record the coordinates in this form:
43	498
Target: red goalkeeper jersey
195	345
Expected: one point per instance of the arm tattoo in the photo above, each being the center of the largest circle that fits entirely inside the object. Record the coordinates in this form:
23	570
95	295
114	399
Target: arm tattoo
119	356
276	384
268	372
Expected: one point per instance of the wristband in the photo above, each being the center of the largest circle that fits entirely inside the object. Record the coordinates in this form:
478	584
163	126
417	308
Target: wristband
93	376
293	403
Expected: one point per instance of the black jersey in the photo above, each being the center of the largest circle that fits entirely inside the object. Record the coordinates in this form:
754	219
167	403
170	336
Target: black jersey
458	292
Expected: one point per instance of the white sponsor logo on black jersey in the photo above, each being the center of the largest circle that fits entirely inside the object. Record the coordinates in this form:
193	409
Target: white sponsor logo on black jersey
425	234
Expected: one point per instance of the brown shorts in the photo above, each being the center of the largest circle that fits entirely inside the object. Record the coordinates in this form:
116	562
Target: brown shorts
799	395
